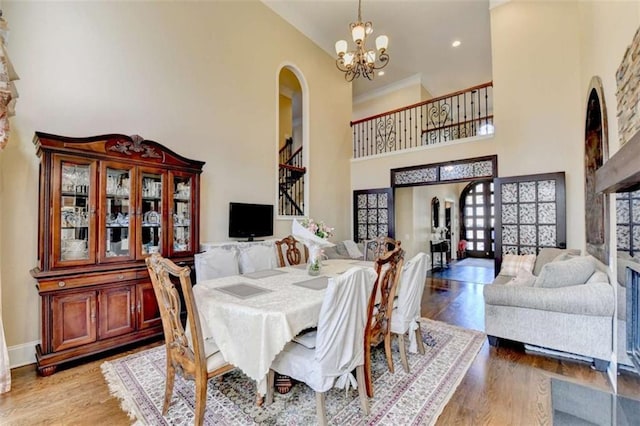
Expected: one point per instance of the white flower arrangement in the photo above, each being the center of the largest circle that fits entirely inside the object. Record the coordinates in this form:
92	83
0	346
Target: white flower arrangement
315	236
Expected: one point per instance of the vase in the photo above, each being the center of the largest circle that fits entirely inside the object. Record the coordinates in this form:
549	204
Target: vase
315	264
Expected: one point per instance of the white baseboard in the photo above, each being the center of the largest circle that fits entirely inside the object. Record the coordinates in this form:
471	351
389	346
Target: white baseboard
23	354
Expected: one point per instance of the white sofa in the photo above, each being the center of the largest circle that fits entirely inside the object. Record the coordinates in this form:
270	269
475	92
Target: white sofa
576	318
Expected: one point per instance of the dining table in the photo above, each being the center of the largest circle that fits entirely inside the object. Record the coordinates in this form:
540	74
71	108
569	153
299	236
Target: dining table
251	317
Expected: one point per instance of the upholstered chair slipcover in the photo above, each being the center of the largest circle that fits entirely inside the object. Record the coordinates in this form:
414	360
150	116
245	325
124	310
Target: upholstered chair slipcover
339	346
215	263
257	257
406	314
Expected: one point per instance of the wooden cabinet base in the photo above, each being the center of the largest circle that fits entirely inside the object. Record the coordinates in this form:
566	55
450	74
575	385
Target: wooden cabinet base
47	364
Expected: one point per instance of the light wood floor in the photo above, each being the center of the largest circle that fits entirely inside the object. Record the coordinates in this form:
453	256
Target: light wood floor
504	386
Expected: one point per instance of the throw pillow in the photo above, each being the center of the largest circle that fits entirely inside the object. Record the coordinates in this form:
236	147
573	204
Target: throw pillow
524	278
566	273
342	250
352	249
551	254
511	263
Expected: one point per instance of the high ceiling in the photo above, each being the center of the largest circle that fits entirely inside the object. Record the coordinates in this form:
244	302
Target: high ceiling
420	35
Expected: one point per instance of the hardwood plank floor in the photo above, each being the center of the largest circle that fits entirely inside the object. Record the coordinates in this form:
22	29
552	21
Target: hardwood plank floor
504	386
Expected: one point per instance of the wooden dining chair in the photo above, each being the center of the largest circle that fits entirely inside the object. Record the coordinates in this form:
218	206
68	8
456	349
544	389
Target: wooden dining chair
289	253
406	313
187	353
338	346
379	247
288	246
380	310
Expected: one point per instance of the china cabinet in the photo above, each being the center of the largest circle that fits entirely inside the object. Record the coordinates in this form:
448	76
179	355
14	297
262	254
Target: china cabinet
105	204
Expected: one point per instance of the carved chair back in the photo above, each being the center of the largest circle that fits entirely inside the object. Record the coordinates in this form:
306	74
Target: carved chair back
288	246
190	359
379	247
378	328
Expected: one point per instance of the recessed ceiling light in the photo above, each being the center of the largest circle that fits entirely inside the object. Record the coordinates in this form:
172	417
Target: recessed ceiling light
380	72
456	43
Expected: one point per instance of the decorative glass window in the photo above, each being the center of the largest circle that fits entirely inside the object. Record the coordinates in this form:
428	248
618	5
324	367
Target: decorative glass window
628	221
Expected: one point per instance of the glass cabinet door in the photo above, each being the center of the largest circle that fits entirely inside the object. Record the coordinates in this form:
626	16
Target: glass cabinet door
150	213
116	238
74	212
181	215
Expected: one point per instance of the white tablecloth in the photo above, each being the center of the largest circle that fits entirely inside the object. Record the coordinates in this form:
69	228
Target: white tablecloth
251	332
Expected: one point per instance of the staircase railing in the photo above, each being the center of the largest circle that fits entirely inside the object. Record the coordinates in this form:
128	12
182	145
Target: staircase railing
291	181
457	115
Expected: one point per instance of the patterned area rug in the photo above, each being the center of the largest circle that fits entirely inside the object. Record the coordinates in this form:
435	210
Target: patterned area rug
400	398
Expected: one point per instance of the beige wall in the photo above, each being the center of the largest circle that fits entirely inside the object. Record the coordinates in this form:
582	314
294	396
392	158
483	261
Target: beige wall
403	203
285	129
607	31
388	98
537	97
185	74
414	219
375	172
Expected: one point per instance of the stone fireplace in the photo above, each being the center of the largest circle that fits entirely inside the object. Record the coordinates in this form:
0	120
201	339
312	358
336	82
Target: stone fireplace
621	173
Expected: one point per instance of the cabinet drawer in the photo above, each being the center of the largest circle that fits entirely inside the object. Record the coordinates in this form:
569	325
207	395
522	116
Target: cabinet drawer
85	280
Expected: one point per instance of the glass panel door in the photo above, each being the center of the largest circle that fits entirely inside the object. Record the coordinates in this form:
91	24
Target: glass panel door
182	219
117	238
74	212
150	240
478	219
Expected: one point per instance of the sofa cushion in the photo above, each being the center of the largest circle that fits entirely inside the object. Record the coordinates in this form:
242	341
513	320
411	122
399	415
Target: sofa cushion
342	250
502	279
594	299
332	253
598	277
566	273
511	263
550	254
524	278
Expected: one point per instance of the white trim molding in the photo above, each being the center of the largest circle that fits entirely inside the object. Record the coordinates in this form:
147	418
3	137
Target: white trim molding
23	354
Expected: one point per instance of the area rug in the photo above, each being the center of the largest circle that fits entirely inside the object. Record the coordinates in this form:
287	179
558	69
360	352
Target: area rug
470	270
477	262
402	398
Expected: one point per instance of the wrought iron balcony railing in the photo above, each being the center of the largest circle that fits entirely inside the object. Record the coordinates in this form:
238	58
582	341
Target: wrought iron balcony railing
458	115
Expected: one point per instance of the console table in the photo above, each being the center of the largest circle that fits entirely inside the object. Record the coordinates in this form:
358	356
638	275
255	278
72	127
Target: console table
441	247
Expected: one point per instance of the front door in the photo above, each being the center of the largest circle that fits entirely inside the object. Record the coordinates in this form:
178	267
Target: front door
478	217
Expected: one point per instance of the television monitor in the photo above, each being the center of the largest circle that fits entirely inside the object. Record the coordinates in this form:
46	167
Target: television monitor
250	220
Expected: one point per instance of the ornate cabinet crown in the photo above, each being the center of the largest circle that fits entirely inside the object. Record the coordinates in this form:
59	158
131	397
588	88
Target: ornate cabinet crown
106	203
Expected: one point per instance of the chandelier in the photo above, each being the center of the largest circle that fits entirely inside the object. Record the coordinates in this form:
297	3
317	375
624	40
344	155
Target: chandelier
361	62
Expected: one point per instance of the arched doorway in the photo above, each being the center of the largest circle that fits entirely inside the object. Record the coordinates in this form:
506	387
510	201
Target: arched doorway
596	148
478	219
292	158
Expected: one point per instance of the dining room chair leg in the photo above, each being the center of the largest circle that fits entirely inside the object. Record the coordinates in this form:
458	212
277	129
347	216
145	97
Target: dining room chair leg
367	370
403	353
270	384
362	391
321	413
168	387
387	351
419	339
201	401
